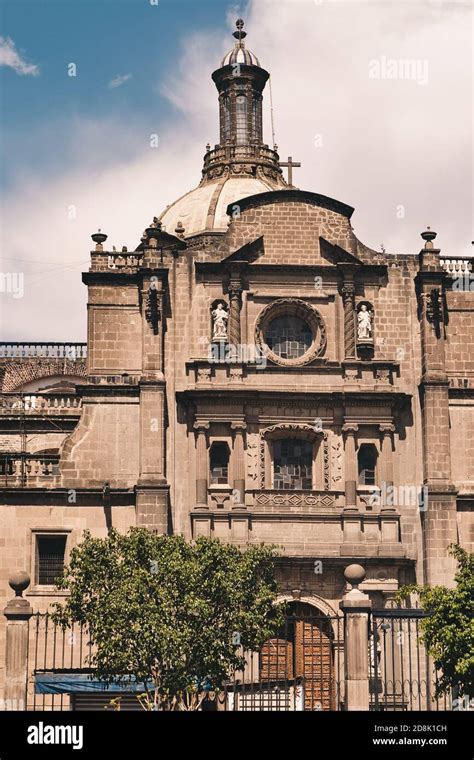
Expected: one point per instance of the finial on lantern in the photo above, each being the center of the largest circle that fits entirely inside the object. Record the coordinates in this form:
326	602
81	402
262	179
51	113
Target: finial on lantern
239	34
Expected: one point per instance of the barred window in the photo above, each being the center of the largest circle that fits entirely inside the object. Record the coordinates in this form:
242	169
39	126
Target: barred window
219	460
50	552
292	464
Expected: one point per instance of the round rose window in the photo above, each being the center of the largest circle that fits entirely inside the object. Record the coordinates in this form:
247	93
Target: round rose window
289	337
291	332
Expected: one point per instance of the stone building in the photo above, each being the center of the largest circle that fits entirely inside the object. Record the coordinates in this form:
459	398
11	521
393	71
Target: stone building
255	373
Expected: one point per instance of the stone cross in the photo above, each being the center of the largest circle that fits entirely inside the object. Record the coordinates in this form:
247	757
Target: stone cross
290	164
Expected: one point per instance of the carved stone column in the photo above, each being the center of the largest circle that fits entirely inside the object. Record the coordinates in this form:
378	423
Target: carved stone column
348	296
235	299
201	465
238	465
350	464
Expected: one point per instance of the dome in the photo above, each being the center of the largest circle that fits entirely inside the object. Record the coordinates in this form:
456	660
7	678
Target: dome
240	54
204	208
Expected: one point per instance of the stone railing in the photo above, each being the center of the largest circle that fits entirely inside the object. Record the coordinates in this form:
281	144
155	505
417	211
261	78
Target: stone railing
40	350
239	152
457	264
32	403
21	469
104	261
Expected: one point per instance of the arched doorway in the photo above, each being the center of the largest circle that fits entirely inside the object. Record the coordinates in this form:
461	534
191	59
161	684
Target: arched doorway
302	653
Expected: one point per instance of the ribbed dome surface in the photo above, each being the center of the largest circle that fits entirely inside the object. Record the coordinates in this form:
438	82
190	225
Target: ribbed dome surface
204	208
240	54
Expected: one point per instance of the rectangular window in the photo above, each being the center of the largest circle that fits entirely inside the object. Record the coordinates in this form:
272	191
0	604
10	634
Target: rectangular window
50	553
219	463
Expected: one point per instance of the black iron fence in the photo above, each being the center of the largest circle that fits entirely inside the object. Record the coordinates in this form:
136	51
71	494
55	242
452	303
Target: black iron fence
401	675
301	668
52	650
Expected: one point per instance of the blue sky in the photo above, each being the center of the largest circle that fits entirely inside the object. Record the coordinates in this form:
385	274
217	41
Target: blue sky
399	150
104	39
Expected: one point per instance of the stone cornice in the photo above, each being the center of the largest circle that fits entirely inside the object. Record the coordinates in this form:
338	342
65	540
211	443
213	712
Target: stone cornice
86	497
296	196
256	397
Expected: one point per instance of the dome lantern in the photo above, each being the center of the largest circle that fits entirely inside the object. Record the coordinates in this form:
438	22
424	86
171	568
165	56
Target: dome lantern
240	81
240	164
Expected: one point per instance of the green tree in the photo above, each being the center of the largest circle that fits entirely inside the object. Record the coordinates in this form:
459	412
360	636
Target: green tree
448	629
168	612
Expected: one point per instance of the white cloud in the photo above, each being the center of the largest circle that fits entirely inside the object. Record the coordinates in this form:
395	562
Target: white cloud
119	80
385	144
9	56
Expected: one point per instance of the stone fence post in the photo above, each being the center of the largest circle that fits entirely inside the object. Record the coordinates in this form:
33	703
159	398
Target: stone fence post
17	612
356	607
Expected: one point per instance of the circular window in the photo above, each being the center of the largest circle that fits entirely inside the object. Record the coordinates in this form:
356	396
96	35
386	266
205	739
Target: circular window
289	337
291	332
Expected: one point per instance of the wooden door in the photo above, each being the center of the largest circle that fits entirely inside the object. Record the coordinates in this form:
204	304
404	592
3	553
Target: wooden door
303	649
314	662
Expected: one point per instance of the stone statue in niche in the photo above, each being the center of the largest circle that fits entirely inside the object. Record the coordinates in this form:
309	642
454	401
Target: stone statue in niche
364	323
219	322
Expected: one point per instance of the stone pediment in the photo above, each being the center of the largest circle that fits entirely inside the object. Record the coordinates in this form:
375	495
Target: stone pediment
247	253
334	254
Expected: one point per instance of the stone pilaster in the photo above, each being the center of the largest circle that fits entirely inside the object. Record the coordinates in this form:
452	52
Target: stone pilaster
152	297
202	465
18	613
350	465
386	464
152	490
439	517
238	465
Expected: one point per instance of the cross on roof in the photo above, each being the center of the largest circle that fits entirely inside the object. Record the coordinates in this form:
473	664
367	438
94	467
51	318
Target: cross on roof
290	164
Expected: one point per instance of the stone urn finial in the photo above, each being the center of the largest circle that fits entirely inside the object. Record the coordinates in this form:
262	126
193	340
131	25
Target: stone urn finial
19	582
428	236
354	574
99	238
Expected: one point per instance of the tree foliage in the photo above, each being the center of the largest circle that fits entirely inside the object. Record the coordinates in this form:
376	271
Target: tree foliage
448	629
170	613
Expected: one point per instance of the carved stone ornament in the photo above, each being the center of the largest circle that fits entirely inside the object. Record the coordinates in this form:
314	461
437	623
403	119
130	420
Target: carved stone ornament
152	308
307	431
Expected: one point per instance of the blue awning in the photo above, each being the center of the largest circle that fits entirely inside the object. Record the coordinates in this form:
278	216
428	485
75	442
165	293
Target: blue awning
66	682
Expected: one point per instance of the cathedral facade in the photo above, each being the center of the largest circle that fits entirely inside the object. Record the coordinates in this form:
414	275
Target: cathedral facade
255	373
